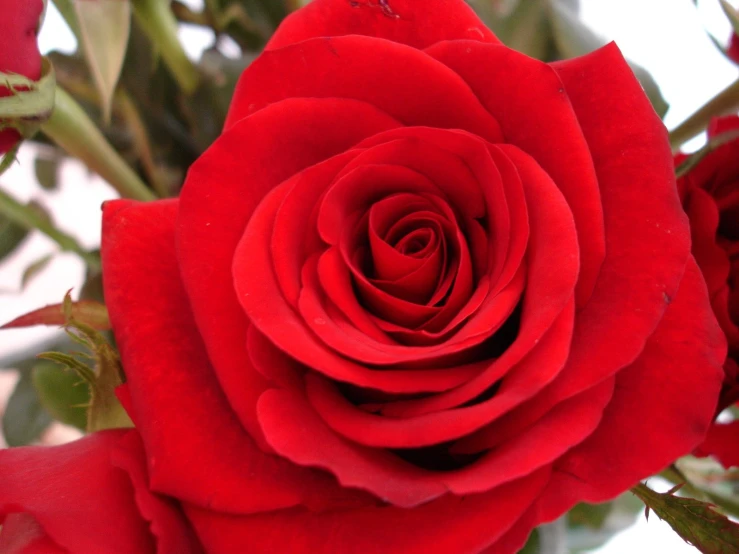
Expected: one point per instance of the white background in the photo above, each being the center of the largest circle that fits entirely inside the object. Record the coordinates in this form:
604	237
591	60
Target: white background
666	37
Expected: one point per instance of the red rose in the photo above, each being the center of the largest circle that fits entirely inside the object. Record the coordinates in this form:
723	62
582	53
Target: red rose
87	496
710	196
423	294
19	51
733	50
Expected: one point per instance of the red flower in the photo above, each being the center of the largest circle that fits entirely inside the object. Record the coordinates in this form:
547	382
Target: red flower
87	496
423	294
19	51
733	50
710	196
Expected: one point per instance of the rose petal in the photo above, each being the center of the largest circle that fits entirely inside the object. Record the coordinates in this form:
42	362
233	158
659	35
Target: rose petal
167	367
641	432
451	524
298	133
532	106
65	485
396	20
722	442
415	89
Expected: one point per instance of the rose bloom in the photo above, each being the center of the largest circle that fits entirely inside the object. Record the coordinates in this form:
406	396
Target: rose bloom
90	496
423	294
19	51
710	196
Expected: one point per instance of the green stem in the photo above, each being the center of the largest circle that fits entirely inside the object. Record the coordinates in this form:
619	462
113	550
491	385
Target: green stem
31	219
159	22
71	128
725	102
677	477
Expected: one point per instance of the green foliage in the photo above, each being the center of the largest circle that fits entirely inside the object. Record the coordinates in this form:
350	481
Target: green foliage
104	410
24	418
64	396
104	27
11	236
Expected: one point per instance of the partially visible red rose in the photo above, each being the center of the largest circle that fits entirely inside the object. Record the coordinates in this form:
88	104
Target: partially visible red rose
710	197
88	496
733	50
19	51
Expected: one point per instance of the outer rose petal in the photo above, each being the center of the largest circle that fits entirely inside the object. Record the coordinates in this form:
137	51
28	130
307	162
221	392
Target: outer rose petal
722	442
396	20
642	430
451	524
19	51
645	254
415	89
87	496
176	400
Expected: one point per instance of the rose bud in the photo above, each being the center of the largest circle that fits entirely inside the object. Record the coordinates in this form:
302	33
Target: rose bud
19	51
87	496
710	196
423	294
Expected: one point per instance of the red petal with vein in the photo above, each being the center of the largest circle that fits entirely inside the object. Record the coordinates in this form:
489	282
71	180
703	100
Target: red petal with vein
397	20
451	524
167	367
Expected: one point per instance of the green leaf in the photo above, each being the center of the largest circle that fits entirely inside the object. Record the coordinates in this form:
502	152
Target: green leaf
25	417
72	129
34	269
695	521
104	29
62	393
589	515
11	236
104	410
157	19
732	13
532	545
47	170
523	26
88	312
